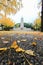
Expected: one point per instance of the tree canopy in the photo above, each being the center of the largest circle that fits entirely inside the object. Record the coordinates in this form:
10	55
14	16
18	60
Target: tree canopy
6	21
10	6
37	24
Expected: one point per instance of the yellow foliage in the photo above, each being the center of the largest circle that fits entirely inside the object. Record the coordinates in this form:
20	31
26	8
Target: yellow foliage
1	17
9	9
13	2
9	6
13	10
3	1
1	7
38	21
6	21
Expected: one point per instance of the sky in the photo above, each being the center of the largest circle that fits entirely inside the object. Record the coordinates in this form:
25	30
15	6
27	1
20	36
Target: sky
28	12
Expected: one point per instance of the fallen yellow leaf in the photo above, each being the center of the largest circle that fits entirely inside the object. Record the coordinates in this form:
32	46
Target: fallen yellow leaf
30	52
19	50
18	41
35	38
34	43
3	49
24	40
16	47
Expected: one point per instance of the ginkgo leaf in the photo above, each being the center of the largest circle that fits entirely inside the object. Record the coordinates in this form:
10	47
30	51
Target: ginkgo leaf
35	38
3	49
14	44
20	50
18	41
23	40
31	64
30	52
16	47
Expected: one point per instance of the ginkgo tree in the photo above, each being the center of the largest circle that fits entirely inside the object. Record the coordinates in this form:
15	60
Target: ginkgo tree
6	23
37	24
9	7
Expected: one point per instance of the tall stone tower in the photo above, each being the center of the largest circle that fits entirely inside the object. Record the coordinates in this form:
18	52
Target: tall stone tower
22	23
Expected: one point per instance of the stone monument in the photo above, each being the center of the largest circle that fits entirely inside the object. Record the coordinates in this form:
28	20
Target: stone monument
22	24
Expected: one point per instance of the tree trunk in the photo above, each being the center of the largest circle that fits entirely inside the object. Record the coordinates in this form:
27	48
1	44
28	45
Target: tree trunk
42	18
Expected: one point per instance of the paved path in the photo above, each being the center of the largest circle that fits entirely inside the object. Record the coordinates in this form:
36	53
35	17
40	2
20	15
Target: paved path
7	40
25	41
